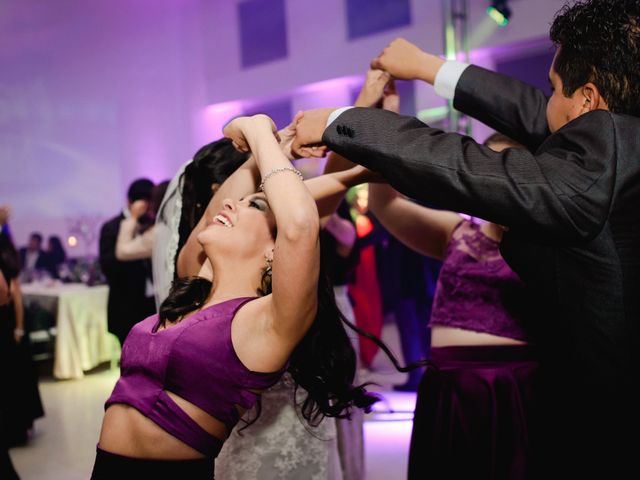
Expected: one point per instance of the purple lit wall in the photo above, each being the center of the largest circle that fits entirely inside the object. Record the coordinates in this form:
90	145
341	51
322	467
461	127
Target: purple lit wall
94	94
367	17
532	69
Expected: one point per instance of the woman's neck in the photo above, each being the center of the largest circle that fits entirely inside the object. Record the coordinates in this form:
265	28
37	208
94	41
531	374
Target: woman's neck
231	283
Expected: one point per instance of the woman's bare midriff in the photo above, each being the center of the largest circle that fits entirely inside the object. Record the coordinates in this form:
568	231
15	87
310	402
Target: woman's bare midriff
443	336
126	431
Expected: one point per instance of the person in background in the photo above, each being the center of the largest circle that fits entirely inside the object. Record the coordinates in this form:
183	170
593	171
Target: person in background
478	338
55	255
569	200
130	287
21	405
338	239
406	280
7	470
340	251
13	313
137	233
32	257
407	298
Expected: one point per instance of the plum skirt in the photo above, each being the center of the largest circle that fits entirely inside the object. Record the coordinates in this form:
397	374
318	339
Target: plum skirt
476	414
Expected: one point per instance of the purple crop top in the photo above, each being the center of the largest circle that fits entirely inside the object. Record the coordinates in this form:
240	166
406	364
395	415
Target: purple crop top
194	359
476	288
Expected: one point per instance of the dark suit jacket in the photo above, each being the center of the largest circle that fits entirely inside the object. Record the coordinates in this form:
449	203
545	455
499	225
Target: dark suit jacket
127	303
571	202
41	262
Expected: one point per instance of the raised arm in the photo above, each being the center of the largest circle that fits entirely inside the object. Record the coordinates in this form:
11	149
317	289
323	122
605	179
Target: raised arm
563	192
424	230
242	182
505	104
329	189
341	174
296	258
510	106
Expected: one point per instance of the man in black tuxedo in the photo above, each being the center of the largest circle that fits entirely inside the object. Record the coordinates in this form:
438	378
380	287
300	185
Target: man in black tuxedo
32	257
570	204
130	289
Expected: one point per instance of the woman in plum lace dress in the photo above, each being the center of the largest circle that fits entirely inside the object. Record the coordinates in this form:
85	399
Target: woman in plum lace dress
476	407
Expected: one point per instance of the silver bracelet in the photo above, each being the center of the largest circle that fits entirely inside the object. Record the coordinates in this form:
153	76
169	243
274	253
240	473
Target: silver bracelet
279	170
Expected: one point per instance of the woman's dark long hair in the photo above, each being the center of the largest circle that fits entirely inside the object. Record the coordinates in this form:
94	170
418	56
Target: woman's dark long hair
56	251
323	363
9	256
213	163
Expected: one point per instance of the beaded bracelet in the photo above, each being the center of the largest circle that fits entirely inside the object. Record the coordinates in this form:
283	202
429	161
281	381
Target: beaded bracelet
279	170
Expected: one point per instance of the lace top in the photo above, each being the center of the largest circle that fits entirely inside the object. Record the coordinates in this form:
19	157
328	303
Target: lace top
476	289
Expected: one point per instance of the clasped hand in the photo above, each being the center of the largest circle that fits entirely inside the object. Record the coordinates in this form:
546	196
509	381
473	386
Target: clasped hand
303	136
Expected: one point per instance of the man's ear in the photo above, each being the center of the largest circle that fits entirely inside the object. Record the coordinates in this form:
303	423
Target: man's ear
592	99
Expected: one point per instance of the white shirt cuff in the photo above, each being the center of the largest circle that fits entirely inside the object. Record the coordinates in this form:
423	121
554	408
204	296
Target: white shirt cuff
335	114
447	78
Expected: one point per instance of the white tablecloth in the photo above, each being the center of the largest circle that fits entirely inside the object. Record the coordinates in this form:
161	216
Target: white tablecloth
82	340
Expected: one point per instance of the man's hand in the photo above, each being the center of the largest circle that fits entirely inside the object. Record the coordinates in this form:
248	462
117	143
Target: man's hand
138	208
309	130
287	135
405	61
373	88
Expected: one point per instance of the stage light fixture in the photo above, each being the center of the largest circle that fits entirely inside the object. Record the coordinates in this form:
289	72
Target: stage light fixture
500	12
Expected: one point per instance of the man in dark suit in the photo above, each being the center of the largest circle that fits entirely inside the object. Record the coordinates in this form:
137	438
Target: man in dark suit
570	204
130	291
32	257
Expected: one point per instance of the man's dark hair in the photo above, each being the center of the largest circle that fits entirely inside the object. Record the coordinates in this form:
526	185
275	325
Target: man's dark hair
37	236
599	42
140	189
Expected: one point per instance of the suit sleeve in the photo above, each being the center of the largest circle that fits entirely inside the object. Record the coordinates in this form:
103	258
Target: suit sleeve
562	193
507	105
